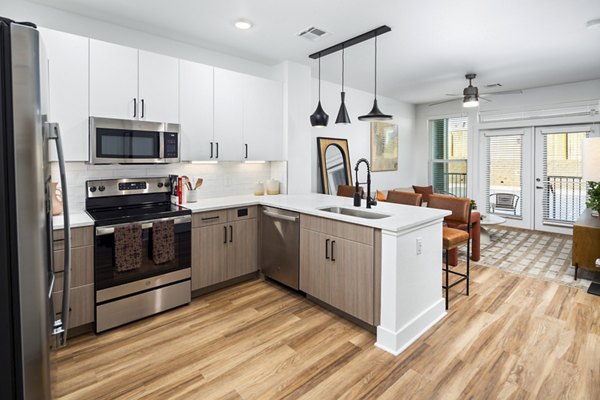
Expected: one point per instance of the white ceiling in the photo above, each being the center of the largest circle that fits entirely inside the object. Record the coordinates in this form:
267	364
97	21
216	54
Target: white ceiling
521	44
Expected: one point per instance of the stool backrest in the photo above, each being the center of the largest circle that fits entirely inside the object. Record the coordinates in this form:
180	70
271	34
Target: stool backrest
408	198
460	207
349	190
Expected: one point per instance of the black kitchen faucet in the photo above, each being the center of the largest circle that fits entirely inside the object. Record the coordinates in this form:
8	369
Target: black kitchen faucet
370	201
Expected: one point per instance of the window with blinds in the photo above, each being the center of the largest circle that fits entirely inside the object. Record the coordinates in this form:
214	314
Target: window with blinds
449	154
504	178
564	190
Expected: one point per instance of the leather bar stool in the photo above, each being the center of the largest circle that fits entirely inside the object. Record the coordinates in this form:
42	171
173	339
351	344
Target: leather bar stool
349	190
452	237
408	198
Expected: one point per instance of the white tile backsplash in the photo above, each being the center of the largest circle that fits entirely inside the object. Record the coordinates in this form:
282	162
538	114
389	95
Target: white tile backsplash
222	179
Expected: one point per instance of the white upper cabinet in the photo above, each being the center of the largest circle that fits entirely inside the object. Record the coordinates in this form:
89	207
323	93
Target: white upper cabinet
229	115
130	84
158	87
68	94
263	119
196	111
113	81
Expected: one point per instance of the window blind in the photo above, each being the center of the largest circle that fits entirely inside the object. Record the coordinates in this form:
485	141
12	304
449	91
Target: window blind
449	153
564	190
504	178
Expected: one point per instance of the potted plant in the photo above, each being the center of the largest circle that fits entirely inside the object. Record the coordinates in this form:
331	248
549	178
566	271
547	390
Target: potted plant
593	200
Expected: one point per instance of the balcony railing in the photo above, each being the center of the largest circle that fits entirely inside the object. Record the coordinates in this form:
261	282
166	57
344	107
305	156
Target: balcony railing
564	198
454	183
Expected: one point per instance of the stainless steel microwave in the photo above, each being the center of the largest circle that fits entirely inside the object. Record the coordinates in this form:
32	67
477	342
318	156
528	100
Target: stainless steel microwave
122	141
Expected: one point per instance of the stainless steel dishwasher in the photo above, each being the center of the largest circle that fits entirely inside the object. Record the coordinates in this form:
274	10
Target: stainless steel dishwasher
280	253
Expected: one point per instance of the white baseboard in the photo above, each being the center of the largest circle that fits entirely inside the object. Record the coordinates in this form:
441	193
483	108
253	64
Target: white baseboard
396	342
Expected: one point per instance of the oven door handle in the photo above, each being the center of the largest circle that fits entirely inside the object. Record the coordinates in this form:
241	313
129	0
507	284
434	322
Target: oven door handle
107	230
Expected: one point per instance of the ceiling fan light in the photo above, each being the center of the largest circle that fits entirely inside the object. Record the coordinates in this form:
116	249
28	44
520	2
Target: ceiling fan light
319	118
375	114
343	117
470	101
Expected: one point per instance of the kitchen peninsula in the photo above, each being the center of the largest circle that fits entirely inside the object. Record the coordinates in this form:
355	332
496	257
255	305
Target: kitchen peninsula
406	247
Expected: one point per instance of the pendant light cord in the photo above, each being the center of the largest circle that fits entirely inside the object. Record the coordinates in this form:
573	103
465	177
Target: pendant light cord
343	69
319	79
375	91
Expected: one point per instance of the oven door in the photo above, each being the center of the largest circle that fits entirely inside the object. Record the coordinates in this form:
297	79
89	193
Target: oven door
107	275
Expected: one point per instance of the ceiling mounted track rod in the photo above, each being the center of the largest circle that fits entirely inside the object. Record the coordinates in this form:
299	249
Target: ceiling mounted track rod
351	42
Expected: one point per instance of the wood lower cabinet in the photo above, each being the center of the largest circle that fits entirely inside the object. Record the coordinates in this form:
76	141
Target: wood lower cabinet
82	275
339	269
224	246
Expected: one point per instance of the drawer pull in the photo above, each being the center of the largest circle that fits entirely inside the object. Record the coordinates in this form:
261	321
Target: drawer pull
211	218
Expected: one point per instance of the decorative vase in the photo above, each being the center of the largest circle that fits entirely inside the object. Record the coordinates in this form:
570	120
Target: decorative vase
57	207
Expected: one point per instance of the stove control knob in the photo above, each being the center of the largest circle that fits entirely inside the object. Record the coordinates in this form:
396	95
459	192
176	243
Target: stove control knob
160	184
167	184
101	188
92	189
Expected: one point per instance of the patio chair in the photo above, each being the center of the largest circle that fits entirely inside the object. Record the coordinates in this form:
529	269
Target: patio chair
504	201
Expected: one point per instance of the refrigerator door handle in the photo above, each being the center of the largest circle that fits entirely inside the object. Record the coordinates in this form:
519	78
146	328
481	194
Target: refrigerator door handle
61	325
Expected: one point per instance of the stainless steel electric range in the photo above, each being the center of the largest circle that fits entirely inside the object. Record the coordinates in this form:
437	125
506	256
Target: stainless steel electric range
130	283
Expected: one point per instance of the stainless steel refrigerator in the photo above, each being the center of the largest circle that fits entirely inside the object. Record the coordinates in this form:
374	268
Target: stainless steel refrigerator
29	326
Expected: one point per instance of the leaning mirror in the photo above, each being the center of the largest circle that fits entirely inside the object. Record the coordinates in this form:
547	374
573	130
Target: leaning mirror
334	164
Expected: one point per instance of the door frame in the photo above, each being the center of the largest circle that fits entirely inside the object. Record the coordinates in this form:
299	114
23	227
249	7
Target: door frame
538	153
526	220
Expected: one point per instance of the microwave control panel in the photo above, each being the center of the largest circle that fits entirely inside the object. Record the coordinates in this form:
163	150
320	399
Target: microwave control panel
171	145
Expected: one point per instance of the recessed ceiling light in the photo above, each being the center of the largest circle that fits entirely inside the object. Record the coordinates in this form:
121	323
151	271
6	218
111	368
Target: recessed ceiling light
243	24
593	24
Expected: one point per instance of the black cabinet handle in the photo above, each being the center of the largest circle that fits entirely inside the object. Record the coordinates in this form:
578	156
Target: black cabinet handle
230	233
142	116
332	248
327	249
211	149
246	149
134	107
217	150
225	230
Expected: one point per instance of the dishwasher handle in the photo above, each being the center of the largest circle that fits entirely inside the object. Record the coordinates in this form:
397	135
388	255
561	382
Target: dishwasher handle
280	216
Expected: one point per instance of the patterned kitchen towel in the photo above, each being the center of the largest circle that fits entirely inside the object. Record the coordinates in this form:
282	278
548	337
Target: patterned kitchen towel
163	241
128	247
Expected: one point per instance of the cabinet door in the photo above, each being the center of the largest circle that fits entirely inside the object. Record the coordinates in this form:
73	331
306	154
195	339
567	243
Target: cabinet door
113	80
314	275
158	87
81	307
351	269
68	73
263	119
242	252
228	103
209	255
196	110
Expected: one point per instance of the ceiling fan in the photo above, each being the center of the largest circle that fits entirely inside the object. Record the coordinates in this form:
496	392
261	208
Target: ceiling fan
471	94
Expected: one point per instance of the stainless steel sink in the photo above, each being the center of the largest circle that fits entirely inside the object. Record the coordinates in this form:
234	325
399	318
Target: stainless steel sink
354	212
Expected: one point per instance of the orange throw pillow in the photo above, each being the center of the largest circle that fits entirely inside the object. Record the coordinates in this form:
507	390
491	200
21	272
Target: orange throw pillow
381	196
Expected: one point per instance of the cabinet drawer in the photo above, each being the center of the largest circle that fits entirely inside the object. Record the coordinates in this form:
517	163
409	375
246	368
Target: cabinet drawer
241	213
344	230
209	218
82	305
79	237
82	260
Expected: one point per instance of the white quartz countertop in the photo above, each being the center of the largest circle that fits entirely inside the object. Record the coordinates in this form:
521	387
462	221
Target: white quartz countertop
78	219
400	218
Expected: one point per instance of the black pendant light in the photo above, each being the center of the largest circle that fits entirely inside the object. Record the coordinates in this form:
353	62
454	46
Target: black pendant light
375	114
343	117
319	118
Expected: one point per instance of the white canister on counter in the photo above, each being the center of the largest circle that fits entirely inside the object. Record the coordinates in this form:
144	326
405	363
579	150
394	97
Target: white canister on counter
272	186
192	196
259	189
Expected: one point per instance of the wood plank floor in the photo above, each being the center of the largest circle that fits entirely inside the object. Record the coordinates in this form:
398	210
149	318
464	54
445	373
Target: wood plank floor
513	338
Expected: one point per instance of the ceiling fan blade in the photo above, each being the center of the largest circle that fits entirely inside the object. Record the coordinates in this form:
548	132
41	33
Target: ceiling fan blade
483	98
518	91
453	95
441	102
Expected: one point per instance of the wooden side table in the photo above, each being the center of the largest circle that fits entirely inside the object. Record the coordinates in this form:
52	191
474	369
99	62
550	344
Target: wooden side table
586	242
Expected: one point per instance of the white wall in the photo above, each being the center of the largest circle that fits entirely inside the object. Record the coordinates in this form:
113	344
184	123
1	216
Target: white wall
52	18
358	133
